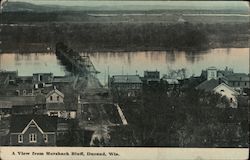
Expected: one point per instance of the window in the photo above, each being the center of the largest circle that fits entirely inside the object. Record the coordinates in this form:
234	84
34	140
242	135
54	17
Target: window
57	98
32	138
212	74
32	125
45	138
245	83
53	114
222	90
238	83
51	98
20	138
41	77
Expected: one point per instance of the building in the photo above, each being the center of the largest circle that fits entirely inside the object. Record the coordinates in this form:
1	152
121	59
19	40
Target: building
238	80
129	84
216	86
59	110
151	77
171	83
7	77
55	105
211	73
24	79
45	78
229	93
33	130
54	96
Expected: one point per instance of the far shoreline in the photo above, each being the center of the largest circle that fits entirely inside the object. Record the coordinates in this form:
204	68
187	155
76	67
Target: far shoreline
40	48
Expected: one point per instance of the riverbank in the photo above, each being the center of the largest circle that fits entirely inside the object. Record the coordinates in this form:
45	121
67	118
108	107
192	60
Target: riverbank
8	47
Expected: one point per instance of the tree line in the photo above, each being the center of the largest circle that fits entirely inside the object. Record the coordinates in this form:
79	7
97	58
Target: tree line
127	36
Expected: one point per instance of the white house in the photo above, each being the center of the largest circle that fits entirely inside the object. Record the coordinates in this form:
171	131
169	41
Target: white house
54	96
228	92
215	85
56	107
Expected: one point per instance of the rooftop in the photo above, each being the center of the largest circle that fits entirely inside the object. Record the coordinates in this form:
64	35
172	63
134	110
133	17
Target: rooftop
55	91
19	100
50	74
63	79
5	104
126	79
208	85
46	123
212	68
238	77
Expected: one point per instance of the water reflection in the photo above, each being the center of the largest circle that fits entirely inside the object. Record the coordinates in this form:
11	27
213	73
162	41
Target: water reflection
132	62
27	64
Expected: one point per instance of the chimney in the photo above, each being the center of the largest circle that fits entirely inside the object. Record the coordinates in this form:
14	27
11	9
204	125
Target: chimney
220	81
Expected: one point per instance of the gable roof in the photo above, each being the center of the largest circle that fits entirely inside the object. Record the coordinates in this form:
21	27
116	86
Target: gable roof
230	88
208	85
20	122
55	91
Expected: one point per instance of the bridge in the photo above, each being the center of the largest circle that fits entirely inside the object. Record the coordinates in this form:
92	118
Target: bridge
74	62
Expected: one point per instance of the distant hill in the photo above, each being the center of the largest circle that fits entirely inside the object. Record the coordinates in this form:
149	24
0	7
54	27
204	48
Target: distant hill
24	6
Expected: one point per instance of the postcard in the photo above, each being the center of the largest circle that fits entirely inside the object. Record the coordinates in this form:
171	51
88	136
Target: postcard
124	80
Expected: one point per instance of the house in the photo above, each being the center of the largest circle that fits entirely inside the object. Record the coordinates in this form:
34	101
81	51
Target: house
33	130
151	77
55	105
54	96
238	80
228	92
216	86
129	84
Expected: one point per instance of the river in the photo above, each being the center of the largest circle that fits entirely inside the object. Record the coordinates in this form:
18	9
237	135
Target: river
132	62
